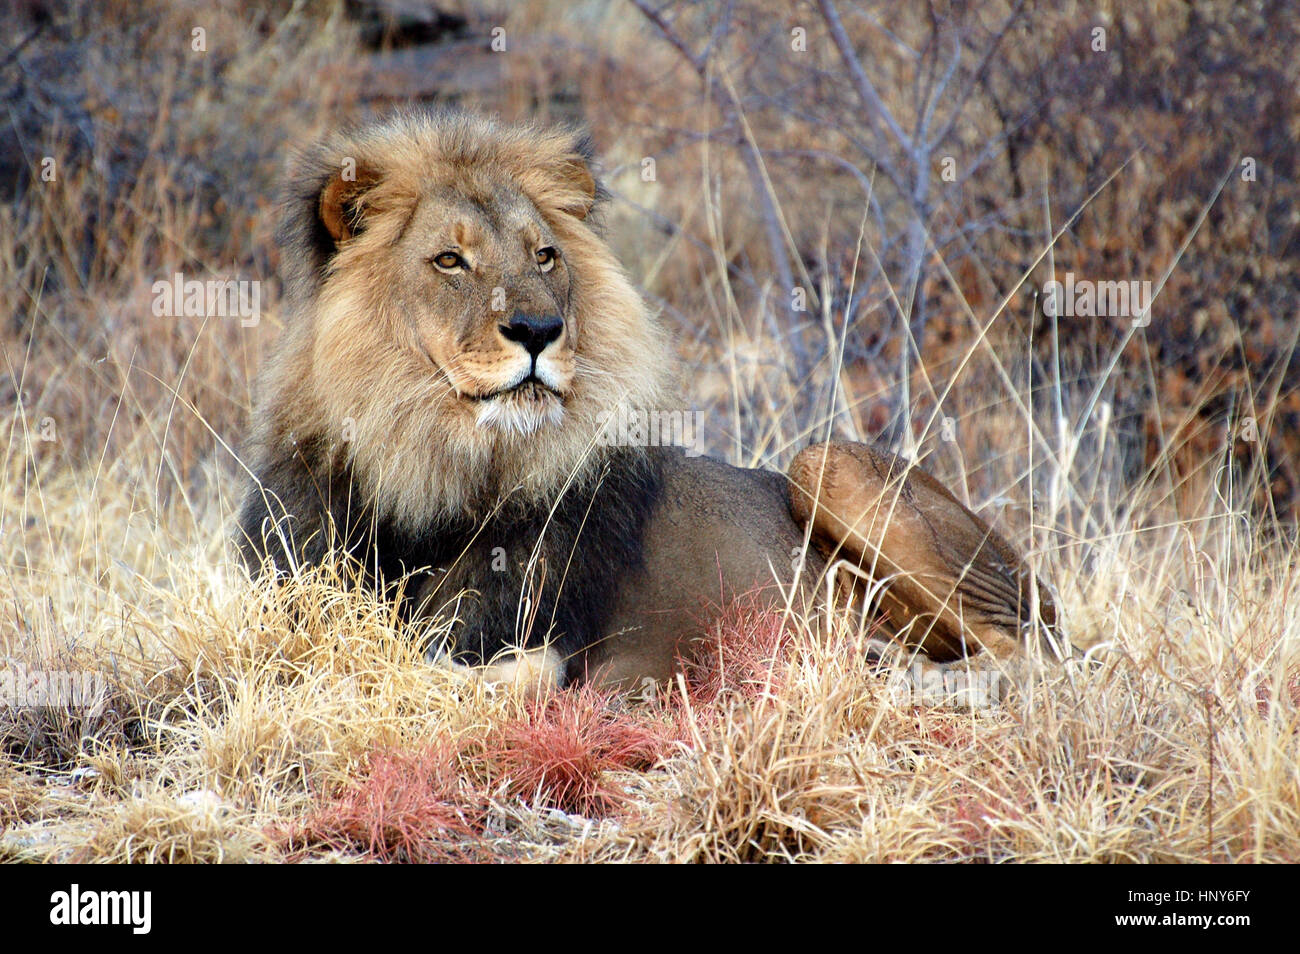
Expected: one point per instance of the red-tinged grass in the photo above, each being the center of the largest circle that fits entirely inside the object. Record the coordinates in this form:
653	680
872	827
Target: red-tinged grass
1265	693
972	820
560	750
944	729
405	806
745	655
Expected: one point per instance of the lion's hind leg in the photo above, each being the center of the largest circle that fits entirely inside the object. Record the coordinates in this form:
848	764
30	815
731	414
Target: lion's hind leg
951	585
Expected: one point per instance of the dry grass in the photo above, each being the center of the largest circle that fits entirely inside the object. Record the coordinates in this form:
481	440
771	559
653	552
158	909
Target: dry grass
241	724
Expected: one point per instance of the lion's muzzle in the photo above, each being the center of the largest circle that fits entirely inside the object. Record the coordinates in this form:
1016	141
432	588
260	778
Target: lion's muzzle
534	332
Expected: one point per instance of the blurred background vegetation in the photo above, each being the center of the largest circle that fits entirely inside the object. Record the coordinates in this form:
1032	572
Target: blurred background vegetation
827	202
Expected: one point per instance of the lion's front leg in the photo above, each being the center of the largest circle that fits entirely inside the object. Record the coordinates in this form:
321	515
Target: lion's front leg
948	583
532	671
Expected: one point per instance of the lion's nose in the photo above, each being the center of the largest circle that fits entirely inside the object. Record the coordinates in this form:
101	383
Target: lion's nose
534	332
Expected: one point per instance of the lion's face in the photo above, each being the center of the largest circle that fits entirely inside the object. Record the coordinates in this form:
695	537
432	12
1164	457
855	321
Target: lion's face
465	327
486	285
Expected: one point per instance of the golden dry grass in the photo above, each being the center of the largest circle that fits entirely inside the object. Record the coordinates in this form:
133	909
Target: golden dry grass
232	727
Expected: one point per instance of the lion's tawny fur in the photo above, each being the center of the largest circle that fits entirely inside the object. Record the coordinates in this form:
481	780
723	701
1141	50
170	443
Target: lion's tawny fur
350	368
455	331
376	431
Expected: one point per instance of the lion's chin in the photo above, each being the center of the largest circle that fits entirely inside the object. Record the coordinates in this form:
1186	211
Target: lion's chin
524	410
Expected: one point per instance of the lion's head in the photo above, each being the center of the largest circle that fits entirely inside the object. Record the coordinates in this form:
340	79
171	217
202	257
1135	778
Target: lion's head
456	325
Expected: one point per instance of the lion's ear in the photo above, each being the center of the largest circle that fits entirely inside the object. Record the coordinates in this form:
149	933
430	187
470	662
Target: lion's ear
576	176
342	207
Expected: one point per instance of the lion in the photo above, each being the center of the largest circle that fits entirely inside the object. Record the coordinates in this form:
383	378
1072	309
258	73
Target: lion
457	336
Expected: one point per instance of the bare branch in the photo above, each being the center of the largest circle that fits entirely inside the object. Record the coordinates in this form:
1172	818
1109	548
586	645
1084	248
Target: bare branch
932	99
671	35
978	76
877	111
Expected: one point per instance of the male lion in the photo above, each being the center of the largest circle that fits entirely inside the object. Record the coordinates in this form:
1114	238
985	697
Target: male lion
457	332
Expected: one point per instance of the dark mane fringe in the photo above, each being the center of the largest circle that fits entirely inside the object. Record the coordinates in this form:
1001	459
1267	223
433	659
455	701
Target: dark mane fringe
546	574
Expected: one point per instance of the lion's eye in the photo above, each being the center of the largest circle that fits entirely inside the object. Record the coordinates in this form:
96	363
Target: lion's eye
448	261
546	258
